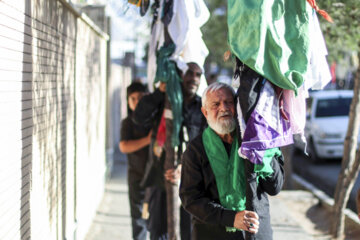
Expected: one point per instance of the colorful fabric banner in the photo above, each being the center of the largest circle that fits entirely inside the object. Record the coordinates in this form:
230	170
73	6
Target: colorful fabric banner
265	128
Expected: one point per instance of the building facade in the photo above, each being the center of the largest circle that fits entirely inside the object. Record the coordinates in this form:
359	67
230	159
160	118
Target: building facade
53	116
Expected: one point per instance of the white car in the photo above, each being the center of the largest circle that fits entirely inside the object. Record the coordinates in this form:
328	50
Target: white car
326	123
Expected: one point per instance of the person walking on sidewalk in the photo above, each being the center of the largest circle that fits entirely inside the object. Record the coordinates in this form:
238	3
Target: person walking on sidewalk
134	142
212	187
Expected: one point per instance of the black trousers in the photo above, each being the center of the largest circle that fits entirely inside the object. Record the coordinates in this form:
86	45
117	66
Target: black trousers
136	199
157	224
185	224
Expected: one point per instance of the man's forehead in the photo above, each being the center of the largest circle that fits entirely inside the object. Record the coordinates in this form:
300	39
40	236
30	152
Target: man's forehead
193	67
217	95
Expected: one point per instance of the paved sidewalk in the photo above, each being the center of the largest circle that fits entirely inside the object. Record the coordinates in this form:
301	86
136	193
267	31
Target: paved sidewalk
289	218
112	221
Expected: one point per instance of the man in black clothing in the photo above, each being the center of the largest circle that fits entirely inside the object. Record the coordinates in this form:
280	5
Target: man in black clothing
213	180
149	112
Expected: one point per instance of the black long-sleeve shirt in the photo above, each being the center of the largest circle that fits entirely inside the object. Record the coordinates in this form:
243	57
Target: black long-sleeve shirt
148	111
136	160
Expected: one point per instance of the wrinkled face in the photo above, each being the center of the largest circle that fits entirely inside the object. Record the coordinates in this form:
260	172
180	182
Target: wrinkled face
133	99
191	79
219	111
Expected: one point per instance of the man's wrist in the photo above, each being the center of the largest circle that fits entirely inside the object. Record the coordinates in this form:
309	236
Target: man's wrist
228	218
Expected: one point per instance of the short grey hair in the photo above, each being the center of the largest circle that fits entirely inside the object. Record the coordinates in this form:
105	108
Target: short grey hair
214	87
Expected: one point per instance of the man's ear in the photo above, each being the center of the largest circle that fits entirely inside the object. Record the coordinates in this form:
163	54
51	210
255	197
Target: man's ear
203	110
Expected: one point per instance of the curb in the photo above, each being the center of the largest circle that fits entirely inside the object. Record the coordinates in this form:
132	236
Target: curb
324	199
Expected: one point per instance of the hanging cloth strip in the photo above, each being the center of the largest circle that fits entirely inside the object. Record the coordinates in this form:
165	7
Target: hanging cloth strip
229	170
156	41
319	73
167	12
135	2
161	133
184	30
271	37
143	4
250	85
266	128
323	13
295	106
166	72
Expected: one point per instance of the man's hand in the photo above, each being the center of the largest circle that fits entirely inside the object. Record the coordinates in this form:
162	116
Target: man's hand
162	87
247	220
173	175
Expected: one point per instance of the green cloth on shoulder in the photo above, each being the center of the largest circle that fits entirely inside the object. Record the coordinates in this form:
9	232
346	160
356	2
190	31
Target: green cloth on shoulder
229	170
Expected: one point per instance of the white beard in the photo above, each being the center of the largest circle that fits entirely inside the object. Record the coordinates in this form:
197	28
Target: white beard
222	126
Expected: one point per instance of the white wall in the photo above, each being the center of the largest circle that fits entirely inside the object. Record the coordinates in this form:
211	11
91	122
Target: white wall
52	120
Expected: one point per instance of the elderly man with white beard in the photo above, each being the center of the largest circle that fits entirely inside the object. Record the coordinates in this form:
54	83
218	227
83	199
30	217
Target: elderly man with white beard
212	187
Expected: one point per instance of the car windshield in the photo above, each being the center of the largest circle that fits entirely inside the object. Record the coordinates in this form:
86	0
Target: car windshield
333	107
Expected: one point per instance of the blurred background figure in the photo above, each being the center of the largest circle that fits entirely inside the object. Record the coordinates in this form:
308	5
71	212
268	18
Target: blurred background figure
212	78
134	142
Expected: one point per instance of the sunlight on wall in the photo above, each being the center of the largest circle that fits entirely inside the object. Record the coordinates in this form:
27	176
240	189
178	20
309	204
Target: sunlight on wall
13	142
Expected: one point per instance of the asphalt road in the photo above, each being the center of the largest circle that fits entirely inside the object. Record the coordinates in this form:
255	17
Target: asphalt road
323	175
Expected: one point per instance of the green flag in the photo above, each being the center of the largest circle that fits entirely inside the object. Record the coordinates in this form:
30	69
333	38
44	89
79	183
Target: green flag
272	38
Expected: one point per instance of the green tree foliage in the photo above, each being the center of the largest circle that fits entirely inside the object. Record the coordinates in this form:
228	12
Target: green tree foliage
344	34
215	33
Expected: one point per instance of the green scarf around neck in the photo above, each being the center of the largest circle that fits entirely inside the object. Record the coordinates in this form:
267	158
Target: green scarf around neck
229	170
